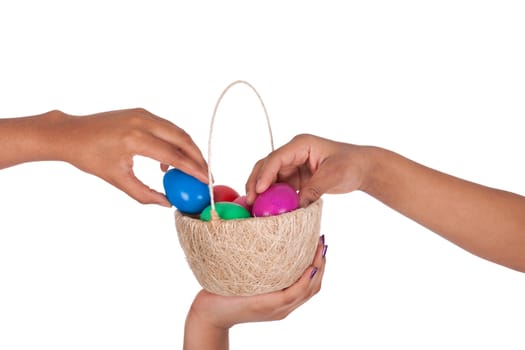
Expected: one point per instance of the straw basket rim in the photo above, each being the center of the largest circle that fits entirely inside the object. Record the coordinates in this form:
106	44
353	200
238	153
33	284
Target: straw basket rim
212	223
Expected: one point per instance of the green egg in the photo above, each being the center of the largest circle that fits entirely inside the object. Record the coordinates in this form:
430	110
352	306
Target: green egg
226	211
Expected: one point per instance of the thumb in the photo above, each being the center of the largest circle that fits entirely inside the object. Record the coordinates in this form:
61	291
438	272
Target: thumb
314	188
137	190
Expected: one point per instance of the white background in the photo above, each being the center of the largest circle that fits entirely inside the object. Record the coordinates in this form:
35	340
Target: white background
83	266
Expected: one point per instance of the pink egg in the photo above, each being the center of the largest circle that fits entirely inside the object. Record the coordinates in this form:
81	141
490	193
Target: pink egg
279	198
241	200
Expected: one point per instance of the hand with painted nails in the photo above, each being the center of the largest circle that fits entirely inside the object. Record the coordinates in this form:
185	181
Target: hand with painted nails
103	145
311	164
211	316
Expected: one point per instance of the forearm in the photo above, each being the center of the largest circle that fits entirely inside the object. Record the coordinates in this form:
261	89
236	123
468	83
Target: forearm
30	138
485	221
199	334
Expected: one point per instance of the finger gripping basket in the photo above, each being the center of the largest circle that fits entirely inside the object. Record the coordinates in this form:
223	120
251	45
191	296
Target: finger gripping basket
249	256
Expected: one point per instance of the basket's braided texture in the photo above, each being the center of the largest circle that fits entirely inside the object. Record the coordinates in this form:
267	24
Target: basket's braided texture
250	256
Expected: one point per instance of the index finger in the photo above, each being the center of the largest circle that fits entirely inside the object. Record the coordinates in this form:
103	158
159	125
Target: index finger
166	153
266	170
173	134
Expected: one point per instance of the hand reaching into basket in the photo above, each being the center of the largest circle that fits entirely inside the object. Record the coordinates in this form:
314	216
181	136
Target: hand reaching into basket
211	316
103	144
311	164
485	221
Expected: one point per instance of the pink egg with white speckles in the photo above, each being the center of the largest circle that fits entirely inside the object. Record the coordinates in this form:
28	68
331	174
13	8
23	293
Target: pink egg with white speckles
279	198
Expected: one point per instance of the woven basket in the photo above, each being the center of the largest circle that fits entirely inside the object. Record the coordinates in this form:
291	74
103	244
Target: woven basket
249	256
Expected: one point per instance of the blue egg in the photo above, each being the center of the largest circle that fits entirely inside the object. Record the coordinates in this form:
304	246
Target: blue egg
185	192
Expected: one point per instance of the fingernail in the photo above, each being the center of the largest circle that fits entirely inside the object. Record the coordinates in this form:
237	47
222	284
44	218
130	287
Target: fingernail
314	271
325	248
321	239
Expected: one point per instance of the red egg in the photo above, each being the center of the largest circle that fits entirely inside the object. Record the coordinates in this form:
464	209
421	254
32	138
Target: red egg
279	198
223	193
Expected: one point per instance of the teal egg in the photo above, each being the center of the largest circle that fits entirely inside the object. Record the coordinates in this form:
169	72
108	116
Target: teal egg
226	211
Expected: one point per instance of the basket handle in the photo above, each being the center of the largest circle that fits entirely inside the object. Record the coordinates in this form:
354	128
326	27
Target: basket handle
214	215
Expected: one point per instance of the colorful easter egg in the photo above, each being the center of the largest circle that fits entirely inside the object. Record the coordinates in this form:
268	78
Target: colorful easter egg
226	211
241	200
279	198
223	193
185	192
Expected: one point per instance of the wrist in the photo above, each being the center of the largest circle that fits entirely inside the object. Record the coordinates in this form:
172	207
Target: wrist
373	159
28	139
200	333
52	135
